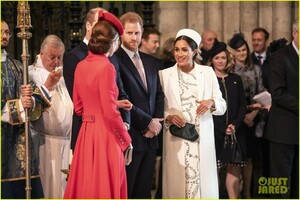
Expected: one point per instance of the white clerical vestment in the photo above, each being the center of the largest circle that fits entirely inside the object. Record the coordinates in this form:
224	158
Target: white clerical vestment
51	133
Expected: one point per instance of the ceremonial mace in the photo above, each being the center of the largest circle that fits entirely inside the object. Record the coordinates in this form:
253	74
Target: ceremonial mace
24	23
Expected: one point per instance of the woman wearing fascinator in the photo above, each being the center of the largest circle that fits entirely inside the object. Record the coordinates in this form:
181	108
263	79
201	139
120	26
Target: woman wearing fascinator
253	84
192	95
232	89
98	165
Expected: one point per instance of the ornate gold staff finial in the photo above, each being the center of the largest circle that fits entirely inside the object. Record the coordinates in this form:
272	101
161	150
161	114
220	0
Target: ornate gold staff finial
24	23
24	20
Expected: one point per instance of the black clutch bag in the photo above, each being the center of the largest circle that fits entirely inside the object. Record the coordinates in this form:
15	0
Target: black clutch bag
188	132
231	152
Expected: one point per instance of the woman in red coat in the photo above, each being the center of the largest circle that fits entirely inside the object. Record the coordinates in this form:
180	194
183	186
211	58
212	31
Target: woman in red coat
98	166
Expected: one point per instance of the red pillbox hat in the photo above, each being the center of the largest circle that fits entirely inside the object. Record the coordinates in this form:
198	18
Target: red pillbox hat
112	19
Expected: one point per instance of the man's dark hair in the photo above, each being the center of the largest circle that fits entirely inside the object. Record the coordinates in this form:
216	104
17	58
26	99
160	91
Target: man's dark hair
260	29
148	31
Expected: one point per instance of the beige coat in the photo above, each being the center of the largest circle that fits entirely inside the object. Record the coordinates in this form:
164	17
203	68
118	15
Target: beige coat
173	158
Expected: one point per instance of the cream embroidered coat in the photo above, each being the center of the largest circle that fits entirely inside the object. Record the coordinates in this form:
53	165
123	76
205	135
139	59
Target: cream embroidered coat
173	156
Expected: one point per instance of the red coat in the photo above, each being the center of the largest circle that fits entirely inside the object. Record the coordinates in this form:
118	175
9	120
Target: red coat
98	169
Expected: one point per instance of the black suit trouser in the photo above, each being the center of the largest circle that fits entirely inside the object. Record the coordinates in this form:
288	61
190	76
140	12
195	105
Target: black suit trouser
284	162
140	174
76	125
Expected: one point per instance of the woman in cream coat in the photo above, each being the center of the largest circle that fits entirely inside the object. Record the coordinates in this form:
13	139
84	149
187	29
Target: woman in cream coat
191	95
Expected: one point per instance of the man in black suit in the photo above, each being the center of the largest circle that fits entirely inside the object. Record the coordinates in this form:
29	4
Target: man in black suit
70	61
139	72
283	123
260	57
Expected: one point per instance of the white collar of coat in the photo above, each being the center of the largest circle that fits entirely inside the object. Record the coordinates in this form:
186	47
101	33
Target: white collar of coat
38	62
175	86
3	55
295	47
198	69
85	41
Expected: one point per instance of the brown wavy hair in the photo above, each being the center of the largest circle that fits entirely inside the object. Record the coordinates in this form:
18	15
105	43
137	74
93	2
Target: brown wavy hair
103	35
229	65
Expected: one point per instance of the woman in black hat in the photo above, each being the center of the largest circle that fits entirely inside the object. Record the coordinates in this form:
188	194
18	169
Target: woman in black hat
232	90
252	80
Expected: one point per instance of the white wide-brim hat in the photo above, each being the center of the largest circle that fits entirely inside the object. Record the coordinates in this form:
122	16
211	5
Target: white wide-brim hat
194	35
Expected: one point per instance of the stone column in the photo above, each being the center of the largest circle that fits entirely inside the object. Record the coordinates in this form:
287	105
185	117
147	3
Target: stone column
282	20
226	18
196	16
171	17
248	19
231	16
214	18
295	9
265	17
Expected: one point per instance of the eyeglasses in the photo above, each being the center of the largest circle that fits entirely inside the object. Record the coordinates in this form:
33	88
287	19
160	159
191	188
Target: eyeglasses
6	33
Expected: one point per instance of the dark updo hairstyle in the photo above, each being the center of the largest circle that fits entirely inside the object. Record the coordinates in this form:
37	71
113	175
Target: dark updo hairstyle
236	42
103	35
190	42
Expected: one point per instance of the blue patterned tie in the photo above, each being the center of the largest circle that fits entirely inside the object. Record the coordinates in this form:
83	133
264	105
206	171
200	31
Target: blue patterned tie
260	62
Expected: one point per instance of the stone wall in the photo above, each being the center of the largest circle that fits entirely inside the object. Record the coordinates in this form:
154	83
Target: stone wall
227	18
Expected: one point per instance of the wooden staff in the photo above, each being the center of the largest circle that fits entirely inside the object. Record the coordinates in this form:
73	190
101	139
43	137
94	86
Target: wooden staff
24	23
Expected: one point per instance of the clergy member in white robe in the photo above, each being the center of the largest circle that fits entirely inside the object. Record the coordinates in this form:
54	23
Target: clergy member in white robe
51	132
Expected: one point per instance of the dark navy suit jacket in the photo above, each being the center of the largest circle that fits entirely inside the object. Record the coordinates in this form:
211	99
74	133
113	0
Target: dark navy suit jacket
147	104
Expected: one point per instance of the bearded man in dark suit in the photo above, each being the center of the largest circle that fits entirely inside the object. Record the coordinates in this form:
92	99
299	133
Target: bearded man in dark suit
139	72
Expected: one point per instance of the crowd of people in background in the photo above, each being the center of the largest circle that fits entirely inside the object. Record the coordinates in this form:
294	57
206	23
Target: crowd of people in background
104	112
